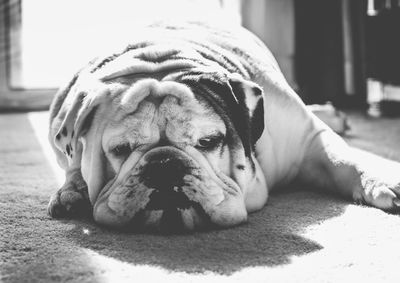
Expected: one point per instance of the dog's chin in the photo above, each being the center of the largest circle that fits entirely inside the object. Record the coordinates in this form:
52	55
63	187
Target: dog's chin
171	220
186	208
149	210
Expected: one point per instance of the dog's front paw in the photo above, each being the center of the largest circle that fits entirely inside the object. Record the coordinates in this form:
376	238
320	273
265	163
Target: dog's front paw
70	201
380	195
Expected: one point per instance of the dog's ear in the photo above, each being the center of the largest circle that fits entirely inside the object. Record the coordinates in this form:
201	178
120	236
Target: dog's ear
249	96
231	95
78	118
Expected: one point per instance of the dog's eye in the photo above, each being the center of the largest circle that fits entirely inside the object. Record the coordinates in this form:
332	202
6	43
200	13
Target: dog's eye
122	149
210	142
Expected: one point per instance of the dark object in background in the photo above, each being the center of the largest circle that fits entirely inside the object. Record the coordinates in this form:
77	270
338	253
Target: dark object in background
319	50
383	57
383	45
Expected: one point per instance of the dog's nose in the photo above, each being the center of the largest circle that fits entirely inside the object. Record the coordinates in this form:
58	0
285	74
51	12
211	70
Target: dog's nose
163	172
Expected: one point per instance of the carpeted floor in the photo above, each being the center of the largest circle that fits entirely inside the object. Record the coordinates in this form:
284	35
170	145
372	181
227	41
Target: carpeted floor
299	236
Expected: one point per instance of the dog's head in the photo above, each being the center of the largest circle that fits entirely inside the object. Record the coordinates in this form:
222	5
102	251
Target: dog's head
167	154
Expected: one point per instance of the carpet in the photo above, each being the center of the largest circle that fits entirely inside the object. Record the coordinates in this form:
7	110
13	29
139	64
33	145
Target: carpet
300	236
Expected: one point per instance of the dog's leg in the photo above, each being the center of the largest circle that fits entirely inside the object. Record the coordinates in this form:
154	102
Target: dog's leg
72	199
366	178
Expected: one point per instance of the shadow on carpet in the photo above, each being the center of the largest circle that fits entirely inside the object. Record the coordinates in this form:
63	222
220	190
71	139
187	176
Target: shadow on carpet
271	237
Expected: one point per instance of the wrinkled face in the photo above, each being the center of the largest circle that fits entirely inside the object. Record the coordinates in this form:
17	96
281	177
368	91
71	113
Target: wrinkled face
169	168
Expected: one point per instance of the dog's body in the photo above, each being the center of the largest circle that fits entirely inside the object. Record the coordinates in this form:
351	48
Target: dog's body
194	125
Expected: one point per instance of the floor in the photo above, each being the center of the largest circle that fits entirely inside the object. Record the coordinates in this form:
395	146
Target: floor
300	236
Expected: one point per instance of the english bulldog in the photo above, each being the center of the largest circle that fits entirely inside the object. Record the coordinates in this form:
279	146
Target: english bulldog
189	127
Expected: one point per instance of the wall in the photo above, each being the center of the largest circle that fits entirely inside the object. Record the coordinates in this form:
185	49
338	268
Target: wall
273	22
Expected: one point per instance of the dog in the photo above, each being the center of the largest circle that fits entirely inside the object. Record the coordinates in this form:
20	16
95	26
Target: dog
189	127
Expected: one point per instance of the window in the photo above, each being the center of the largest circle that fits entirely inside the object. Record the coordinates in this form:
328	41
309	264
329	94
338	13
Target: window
45	41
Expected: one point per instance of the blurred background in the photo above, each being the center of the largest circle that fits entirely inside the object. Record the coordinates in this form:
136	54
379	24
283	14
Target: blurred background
343	51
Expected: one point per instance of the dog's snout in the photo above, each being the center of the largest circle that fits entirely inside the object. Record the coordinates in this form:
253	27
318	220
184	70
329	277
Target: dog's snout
163	172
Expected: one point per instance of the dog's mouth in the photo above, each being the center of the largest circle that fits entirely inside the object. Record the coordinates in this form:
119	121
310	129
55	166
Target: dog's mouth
168	208
167	192
170	212
143	205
